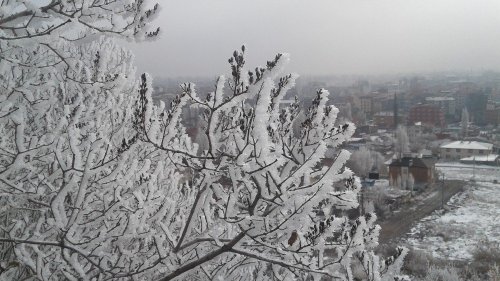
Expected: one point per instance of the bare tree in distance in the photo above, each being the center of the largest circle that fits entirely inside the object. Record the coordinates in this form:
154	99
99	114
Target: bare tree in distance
362	161
401	142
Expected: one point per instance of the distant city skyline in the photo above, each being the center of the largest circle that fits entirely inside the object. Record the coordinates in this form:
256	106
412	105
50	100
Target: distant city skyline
325	37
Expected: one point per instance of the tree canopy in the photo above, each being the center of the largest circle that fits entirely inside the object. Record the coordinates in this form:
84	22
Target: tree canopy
100	183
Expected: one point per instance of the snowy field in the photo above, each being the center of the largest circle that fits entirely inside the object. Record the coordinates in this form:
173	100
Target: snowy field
472	217
458	171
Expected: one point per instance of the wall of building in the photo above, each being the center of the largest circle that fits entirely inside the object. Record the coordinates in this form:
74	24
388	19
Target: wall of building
420	174
458	153
427	114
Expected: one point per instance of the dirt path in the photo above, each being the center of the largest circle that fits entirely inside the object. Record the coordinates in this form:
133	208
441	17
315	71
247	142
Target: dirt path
400	223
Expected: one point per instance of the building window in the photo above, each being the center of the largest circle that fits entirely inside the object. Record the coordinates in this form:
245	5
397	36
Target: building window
448	150
457	150
480	151
405	171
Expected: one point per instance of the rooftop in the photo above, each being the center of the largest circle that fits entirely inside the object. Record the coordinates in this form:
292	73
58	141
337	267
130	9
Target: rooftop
413	162
482	158
469	145
439	99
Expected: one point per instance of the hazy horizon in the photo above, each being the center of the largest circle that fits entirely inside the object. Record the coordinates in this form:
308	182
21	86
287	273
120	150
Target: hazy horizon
341	37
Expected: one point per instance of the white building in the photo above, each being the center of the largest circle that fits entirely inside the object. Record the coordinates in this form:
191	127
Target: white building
446	103
462	149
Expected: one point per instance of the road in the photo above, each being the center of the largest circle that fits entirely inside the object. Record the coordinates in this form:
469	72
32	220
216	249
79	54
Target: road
400	223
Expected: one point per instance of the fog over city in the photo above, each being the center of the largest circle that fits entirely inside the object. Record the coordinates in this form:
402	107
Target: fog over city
326	37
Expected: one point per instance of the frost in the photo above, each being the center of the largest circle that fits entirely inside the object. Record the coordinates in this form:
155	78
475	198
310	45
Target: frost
102	183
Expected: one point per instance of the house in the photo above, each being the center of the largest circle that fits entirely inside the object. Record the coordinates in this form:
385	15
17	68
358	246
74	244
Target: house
462	149
410	171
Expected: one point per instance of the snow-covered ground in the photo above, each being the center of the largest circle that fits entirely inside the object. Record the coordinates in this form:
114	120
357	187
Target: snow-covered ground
472	217
459	171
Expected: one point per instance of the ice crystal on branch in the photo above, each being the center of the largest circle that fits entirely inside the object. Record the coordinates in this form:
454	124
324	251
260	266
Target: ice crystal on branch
256	190
99	183
45	20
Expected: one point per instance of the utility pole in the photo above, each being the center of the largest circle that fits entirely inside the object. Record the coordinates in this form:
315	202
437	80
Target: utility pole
442	193
474	168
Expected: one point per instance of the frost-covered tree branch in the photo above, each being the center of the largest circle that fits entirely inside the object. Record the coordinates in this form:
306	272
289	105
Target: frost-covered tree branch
32	19
65	112
74	188
99	183
256	191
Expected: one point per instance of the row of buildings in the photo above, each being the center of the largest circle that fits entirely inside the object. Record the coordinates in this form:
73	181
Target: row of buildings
427	114
420	170
433	113
433	102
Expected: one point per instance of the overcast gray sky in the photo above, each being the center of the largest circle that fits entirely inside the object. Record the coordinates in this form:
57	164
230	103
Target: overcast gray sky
325	36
